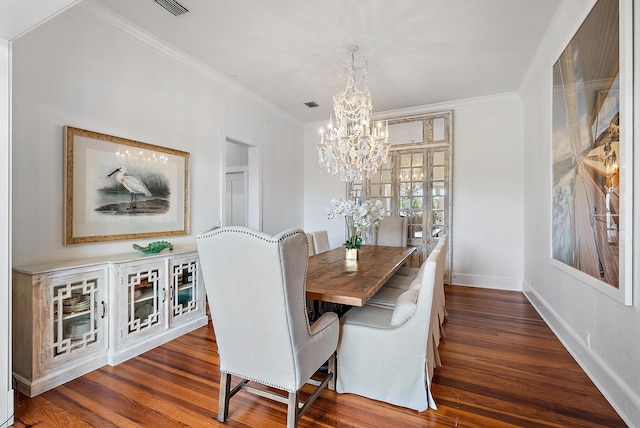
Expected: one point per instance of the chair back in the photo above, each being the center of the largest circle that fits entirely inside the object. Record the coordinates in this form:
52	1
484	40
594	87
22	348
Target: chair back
392	231
311	247
255	286
321	239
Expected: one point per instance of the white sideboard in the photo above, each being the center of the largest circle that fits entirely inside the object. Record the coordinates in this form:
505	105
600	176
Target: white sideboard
73	317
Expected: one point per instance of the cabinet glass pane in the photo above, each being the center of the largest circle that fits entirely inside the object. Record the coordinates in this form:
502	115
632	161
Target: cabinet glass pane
75	316
144	299
183	287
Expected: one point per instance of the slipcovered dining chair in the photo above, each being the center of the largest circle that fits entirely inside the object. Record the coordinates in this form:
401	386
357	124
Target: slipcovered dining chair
392	231
321	239
413	271
382	352
387	297
255	286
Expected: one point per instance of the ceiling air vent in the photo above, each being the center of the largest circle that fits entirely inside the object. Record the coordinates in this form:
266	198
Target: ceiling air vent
311	104
172	6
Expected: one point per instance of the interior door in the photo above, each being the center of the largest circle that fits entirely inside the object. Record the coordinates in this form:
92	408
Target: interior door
236	199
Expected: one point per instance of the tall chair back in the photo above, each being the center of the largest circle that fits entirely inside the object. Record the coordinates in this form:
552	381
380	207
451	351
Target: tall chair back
392	231
321	239
255	286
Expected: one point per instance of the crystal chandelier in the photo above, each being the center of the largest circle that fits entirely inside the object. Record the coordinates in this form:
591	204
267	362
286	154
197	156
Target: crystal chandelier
351	148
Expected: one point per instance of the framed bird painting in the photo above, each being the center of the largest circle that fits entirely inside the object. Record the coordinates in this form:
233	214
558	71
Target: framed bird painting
118	189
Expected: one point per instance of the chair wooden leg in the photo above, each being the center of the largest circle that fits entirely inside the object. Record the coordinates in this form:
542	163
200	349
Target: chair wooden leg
225	388
292	410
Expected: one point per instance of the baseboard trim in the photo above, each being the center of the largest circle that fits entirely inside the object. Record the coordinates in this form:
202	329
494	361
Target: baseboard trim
481	281
624	401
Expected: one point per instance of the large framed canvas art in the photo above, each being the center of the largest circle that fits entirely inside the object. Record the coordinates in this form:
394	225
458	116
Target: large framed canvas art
117	189
592	152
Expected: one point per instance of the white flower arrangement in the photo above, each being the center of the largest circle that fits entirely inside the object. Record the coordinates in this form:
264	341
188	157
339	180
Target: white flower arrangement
358	216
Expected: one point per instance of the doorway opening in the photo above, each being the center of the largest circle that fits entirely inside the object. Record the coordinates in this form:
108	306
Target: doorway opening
242	203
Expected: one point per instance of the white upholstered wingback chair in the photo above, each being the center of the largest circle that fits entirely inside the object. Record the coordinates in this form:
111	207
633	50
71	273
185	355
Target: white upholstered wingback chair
382	352
311	247
255	286
392	231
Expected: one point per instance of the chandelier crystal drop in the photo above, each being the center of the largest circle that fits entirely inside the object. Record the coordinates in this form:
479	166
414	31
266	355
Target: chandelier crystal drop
352	148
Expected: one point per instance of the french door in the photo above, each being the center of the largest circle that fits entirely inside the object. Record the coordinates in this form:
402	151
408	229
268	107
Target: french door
416	181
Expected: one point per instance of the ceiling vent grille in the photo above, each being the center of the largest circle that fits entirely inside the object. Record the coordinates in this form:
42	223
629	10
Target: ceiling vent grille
172	6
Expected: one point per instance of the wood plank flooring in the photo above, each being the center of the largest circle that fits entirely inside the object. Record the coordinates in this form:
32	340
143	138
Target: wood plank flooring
502	367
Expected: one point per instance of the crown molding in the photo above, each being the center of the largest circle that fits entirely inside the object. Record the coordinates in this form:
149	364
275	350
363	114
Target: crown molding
448	105
508	97
561	29
97	11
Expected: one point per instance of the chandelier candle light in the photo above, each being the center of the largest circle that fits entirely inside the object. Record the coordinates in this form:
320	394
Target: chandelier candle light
351	148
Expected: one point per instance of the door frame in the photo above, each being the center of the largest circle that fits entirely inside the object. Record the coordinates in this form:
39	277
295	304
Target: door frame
254	181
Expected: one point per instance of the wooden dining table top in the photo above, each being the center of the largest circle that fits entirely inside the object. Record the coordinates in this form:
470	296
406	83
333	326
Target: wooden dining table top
333	278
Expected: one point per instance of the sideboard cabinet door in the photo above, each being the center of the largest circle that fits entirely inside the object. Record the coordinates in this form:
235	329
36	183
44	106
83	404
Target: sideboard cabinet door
141	293
67	316
188	297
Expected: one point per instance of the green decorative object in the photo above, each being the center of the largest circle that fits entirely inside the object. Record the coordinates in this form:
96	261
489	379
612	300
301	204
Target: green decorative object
153	247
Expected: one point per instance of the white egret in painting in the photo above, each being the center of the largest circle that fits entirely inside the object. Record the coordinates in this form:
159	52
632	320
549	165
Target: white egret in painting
133	184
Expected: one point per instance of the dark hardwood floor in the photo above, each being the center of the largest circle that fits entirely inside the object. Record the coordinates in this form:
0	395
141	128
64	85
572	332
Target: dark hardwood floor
502	367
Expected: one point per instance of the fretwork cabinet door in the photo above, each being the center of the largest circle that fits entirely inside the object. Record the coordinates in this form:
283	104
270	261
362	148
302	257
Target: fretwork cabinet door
60	326
141	302
187	295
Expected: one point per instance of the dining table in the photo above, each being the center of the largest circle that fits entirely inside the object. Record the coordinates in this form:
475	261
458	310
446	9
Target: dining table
331	277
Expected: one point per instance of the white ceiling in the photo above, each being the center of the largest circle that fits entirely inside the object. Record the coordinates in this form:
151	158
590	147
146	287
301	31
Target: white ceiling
419	52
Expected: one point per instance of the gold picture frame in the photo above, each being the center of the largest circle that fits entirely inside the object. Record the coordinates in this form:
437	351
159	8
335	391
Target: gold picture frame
119	189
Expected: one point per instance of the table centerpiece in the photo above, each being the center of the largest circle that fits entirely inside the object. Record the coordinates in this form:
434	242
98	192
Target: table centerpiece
358	217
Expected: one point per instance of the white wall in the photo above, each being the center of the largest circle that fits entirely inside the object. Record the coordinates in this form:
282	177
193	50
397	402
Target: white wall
18	16
87	69
319	189
572	308
487	233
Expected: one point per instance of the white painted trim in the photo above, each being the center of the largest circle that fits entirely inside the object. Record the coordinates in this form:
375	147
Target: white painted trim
254	184
6	387
482	281
39	21
449	105
254	215
615	390
432	108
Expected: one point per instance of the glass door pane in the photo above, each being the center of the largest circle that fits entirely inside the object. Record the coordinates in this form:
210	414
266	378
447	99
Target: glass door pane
75	315
184	288
144	299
